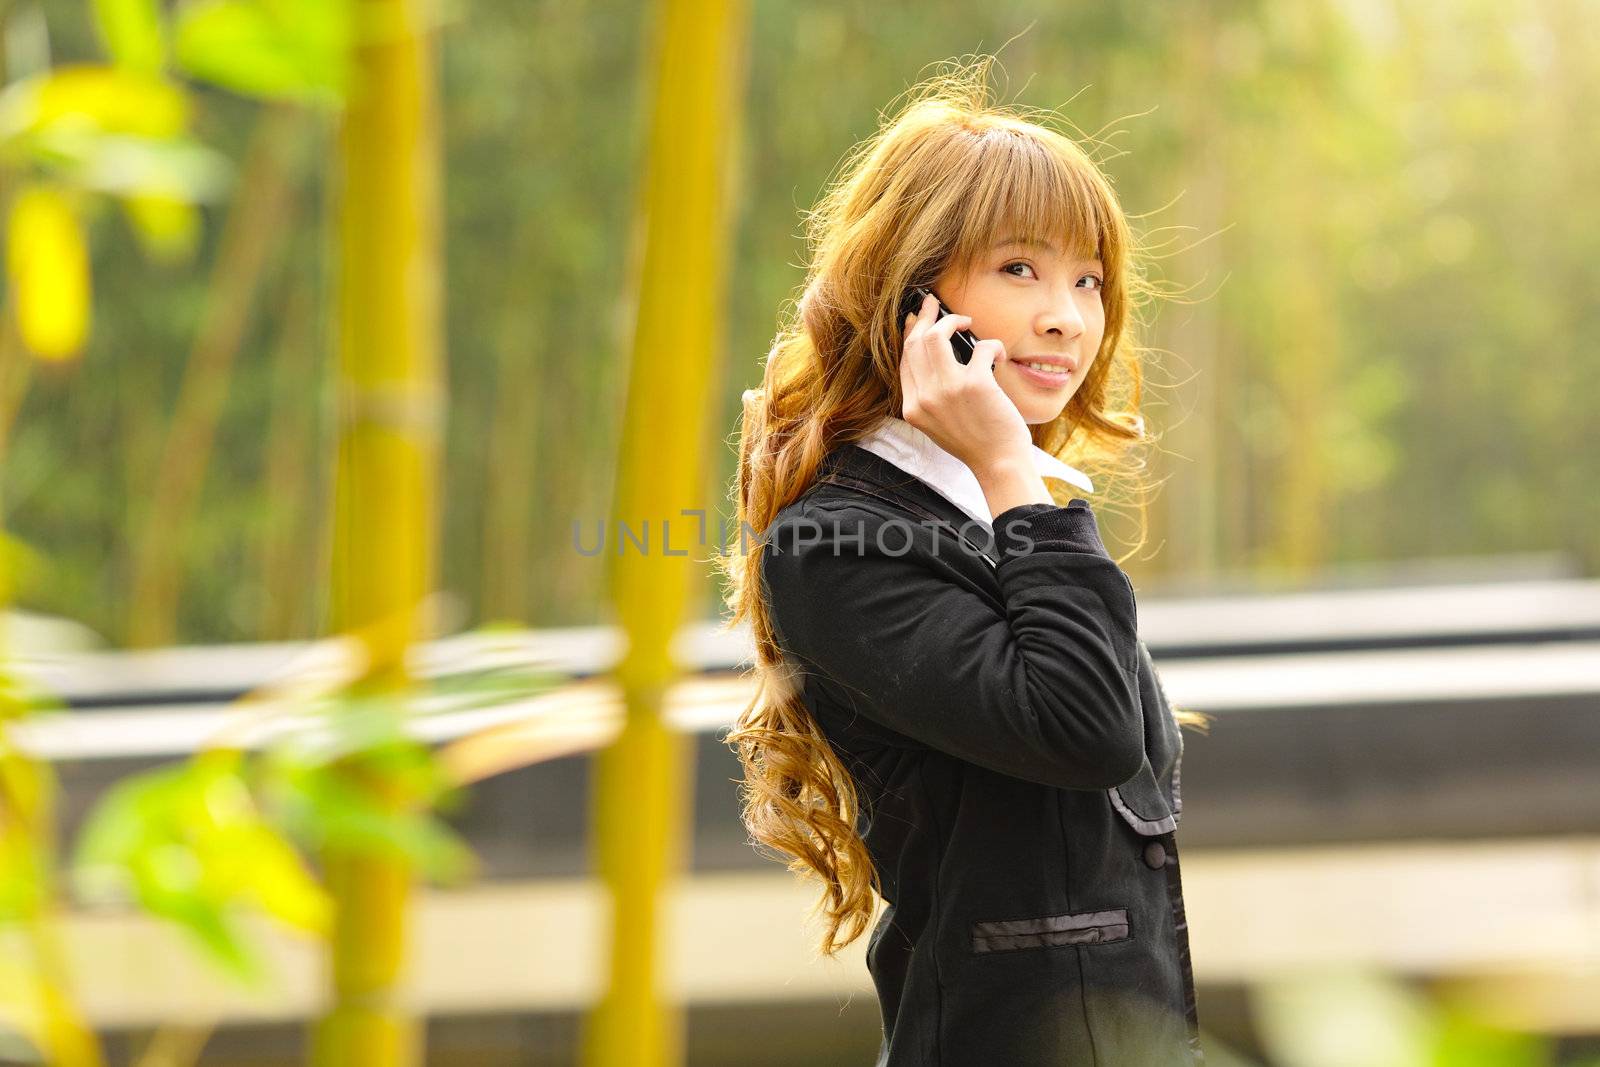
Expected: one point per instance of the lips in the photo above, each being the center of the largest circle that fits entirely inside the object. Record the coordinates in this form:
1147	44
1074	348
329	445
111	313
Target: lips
1042	379
1066	363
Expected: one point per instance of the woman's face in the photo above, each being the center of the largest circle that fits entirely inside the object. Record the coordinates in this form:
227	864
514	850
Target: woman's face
1044	307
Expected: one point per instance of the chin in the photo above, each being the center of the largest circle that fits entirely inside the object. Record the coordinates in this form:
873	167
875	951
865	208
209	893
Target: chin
1038	409
1034	415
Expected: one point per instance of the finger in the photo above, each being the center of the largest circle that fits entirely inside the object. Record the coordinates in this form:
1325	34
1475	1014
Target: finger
923	316
911	353
908	385
987	353
918	313
951	324
936	342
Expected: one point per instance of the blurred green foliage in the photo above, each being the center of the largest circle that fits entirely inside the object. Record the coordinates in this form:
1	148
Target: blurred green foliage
1378	211
190	844
206	841
1357	1017
295	50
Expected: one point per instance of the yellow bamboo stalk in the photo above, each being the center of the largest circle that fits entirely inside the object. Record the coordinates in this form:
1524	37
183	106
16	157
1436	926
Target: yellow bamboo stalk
641	799
390	410
53	1021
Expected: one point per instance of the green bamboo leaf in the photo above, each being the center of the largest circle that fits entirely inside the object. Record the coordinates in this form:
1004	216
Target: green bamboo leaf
168	228
20	564
1465	1041
281	884
131	30
168	874
289	51
22	878
325	809
218	934
190	845
443	855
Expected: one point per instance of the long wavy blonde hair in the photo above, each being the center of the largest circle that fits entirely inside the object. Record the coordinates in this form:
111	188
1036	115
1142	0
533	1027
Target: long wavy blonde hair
931	188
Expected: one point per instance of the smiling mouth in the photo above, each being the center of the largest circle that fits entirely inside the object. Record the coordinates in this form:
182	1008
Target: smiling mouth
1046	374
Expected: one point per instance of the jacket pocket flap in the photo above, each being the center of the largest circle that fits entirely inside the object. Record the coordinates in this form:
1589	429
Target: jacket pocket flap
1083	928
1142	805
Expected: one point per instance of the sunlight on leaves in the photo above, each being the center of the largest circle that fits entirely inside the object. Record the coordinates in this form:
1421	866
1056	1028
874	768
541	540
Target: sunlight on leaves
173	168
95	99
47	261
189	843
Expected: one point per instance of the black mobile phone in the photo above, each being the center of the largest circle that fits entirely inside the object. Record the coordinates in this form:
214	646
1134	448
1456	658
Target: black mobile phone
962	341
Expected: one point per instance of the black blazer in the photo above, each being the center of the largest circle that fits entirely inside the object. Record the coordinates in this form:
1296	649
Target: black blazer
1017	764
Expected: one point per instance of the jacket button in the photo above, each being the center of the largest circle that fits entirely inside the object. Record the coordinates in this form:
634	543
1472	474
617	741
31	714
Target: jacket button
1155	855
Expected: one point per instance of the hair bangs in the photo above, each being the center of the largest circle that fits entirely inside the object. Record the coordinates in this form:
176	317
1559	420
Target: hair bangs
1038	190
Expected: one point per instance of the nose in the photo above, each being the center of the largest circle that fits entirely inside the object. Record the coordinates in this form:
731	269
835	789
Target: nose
1062	317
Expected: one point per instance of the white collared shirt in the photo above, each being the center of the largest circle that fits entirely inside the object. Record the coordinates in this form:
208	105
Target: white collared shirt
914	452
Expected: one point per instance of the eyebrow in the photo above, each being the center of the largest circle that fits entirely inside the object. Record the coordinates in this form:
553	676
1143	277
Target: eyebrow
1010	241
1018	242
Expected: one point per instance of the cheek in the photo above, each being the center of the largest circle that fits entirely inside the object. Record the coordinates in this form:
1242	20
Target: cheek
1095	325
1095	313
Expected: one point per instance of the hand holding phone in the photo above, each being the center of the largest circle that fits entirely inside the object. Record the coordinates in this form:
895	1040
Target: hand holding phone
965	411
962	341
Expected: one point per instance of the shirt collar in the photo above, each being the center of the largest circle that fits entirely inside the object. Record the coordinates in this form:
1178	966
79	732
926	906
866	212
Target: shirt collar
914	452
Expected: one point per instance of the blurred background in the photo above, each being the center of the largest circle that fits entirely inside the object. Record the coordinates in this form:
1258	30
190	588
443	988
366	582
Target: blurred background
243	234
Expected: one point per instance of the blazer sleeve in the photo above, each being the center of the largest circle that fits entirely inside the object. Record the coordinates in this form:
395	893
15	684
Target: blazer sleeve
1043	686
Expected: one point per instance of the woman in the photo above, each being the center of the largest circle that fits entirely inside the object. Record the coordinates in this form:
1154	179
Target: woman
955	712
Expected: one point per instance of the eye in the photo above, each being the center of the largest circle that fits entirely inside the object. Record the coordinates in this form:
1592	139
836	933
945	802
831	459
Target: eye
1018	263
1099	282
